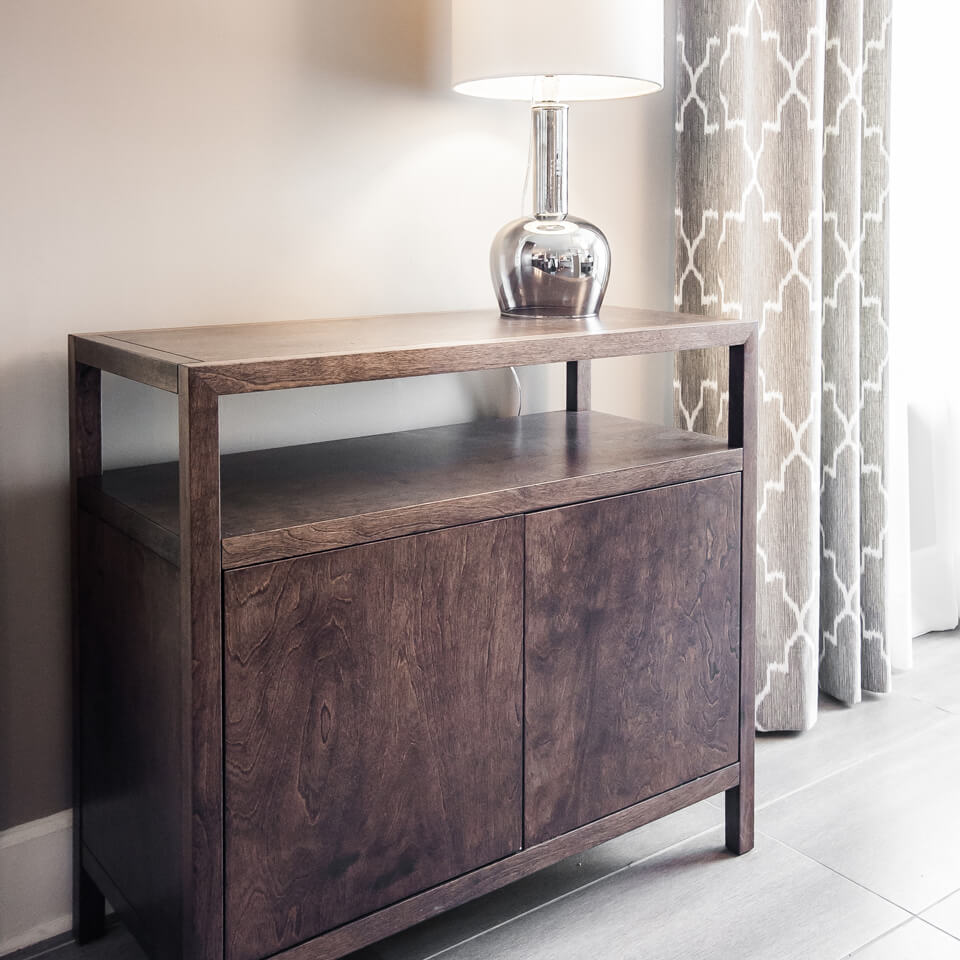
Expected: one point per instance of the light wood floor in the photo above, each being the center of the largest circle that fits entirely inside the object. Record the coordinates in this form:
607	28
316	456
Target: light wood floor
858	854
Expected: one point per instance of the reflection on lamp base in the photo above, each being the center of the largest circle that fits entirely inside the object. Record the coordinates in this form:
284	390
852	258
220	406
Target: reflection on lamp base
550	267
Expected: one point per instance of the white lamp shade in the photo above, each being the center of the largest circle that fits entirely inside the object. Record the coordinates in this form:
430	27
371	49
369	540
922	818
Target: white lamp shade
596	49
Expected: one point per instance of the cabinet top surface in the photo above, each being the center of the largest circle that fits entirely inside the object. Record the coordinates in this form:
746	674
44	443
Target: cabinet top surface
237	358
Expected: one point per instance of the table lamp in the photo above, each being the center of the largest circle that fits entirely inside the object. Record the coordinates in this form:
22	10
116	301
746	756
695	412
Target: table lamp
553	264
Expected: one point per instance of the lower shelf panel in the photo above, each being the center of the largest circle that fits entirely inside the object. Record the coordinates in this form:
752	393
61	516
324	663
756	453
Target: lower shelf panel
298	500
367	930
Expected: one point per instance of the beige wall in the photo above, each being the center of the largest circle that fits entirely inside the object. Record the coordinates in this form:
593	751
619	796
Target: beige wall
188	161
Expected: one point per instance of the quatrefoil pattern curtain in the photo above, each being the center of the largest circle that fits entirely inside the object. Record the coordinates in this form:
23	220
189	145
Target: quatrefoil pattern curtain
782	143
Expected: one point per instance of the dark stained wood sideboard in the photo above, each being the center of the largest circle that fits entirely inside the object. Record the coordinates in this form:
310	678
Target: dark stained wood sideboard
327	691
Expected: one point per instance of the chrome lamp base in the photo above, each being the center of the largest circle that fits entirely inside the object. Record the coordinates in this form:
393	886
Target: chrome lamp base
550	268
551	264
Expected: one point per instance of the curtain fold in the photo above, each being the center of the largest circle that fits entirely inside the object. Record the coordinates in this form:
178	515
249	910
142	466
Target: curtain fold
782	144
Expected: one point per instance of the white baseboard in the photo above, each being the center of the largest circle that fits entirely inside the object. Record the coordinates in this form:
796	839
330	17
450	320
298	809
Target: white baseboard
36	881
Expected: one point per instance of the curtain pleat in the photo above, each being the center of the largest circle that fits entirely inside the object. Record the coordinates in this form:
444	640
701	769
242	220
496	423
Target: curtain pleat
840	666
874	346
778	213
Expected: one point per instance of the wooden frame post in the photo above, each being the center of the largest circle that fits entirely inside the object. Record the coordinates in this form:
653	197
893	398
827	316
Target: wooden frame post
578	385
743	386
85	461
202	693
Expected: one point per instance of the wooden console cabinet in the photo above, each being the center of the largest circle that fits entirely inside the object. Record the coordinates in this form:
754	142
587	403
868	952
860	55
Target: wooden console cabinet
324	692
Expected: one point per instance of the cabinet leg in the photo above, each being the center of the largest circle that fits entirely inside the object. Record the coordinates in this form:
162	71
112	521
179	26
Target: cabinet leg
88	908
739	816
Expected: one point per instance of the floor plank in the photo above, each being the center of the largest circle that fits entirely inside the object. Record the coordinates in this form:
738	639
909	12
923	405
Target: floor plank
548	885
787	762
915	939
934	678
889	823
116	944
946	914
696	900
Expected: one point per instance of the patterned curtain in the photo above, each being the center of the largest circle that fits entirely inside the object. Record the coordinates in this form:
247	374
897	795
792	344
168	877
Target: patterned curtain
782	144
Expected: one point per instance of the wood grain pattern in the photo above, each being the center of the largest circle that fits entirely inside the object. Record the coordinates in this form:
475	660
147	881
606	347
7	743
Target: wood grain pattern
201	677
373	740
155	368
297	500
578	385
85	461
239	358
739	801
383	923
631	650
130	729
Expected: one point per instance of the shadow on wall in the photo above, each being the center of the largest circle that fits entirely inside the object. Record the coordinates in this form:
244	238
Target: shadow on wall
400	44
34	643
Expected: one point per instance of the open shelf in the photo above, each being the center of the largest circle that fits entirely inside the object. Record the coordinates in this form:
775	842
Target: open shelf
296	500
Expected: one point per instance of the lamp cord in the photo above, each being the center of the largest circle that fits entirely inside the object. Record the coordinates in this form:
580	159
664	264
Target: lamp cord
516	380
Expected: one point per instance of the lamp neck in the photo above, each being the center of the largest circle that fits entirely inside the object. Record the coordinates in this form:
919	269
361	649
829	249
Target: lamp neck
550	160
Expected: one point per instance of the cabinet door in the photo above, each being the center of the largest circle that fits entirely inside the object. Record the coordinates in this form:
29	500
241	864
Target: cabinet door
373	727
632	649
